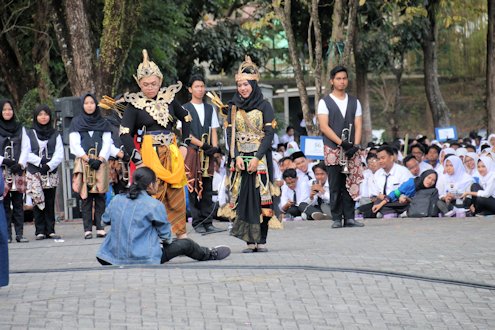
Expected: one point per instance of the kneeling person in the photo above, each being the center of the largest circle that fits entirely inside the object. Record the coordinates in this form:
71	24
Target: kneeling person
139	223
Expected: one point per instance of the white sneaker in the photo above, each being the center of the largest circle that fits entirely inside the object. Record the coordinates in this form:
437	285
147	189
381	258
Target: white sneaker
403	214
449	214
379	215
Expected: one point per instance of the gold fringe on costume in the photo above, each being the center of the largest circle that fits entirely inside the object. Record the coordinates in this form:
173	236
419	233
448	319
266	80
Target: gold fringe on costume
79	180
275	223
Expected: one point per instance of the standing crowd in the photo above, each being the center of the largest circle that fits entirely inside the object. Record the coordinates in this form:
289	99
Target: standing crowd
156	151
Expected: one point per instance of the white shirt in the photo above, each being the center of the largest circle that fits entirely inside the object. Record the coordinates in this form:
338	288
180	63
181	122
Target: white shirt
342	104
424	166
78	151
286	138
368	182
301	193
200	110
398	174
310	175
325	195
25	149
57	157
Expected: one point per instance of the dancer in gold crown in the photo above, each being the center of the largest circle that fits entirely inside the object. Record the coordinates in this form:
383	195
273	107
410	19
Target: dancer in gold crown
251	123
151	114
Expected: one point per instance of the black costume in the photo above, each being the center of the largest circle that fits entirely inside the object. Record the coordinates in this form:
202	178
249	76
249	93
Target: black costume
15	148
42	180
250	133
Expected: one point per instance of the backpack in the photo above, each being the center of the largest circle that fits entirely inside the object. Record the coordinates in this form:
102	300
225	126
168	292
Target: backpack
424	204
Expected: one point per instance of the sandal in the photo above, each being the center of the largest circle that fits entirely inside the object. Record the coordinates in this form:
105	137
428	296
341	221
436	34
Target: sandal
88	235
101	233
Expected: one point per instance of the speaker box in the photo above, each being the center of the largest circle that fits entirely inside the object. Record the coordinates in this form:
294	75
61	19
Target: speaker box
66	108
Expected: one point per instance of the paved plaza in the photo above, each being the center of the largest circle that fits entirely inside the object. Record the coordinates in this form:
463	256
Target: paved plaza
391	274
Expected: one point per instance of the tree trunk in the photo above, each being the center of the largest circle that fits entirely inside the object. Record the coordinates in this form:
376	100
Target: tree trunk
351	31
119	25
318	68
73	36
363	97
337	36
440	111
283	12
490	67
398	90
41	53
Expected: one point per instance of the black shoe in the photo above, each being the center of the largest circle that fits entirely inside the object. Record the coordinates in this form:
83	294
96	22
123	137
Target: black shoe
21	239
40	237
353	223
212	229
200	229
219	252
337	224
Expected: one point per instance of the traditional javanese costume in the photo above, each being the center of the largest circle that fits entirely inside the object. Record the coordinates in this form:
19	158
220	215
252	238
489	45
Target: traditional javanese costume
47	152
250	129
153	120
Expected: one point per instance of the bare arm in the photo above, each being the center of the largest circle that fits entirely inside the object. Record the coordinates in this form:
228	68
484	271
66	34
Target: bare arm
358	130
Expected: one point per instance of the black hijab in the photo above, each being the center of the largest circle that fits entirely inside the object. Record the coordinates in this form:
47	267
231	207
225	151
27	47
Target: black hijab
8	128
93	122
418	182
254	101
44	132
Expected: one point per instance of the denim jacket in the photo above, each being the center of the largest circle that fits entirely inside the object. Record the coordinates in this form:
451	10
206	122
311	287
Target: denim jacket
138	226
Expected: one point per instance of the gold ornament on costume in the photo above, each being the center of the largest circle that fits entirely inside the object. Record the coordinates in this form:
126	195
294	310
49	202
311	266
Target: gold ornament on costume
156	108
147	68
247	71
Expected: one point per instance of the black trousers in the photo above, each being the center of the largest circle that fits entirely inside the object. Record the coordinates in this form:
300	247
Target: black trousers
482	204
44	220
294	211
202	210
263	231
341	203
181	247
309	209
90	218
13	203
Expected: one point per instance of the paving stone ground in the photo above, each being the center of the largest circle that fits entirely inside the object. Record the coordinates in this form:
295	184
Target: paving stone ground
391	274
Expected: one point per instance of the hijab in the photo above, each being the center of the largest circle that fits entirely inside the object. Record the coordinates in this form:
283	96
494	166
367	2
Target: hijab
460	178
89	122
419	181
8	128
474	156
44	132
254	101
490	166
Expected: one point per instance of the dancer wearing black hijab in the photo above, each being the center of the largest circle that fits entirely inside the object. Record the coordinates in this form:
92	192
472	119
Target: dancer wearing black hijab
90	140
13	157
251	123
47	152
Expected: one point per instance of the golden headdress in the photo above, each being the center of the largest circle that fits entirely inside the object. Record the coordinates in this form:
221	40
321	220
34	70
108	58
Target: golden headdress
147	68
247	71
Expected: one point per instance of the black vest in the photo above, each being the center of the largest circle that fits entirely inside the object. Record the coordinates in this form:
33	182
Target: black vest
335	120
196	129
16	143
88	141
35	148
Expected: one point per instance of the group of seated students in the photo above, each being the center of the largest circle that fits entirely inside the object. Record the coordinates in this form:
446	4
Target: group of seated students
433	179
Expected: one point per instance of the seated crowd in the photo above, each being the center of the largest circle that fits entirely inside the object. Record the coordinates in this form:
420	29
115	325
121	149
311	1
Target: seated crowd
455	178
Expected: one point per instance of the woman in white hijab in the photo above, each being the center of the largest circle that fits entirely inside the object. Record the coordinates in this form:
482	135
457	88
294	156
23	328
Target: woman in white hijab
291	148
483	194
452	184
470	163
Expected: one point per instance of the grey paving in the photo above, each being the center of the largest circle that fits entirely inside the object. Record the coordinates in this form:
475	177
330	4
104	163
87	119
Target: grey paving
312	278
